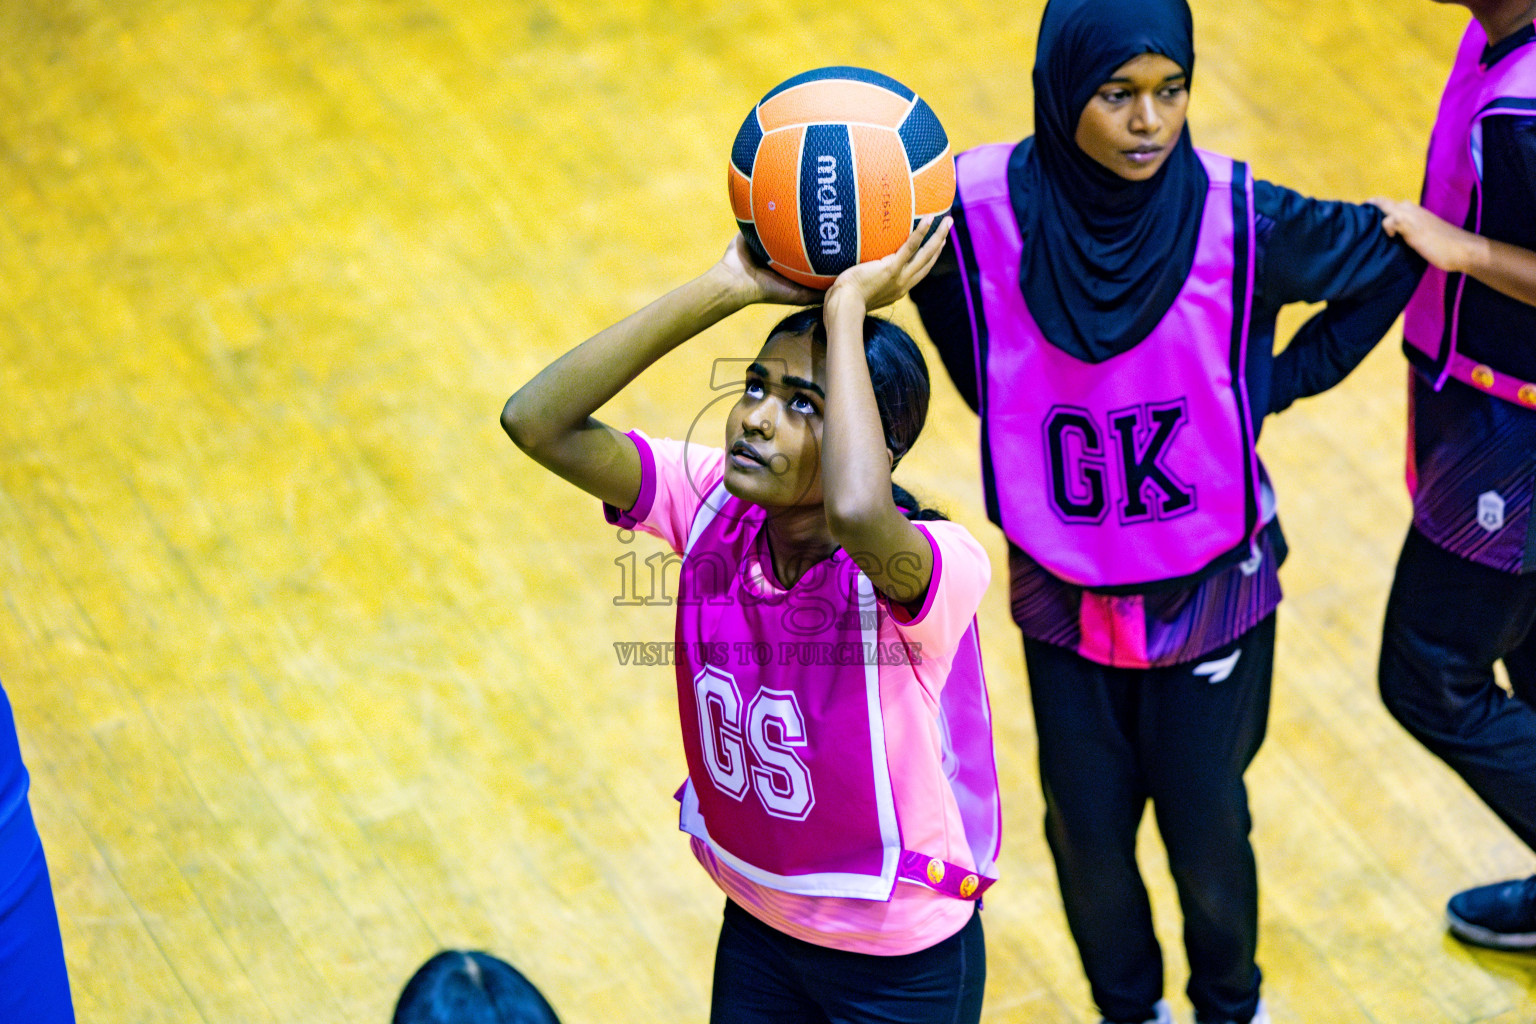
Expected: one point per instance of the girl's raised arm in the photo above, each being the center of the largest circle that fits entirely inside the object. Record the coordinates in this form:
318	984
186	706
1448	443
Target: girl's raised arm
550	417
856	464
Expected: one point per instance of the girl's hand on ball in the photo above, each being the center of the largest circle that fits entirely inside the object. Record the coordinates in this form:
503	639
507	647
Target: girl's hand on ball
756	283
881	282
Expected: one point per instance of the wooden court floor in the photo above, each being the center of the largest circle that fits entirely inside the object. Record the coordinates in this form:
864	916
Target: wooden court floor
316	674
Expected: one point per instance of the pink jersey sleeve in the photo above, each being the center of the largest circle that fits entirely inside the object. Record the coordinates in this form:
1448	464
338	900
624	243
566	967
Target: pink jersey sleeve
961	572
675	478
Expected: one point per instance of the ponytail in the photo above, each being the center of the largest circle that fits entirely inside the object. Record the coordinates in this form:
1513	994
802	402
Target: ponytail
911	507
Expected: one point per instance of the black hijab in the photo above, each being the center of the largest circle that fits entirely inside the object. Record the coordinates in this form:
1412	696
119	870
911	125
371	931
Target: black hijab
1103	257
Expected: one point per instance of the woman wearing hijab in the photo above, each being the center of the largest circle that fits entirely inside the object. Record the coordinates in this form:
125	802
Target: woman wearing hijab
1110	314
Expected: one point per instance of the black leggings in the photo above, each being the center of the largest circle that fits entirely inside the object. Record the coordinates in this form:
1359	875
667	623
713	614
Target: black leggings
1448	621
763	976
1180	736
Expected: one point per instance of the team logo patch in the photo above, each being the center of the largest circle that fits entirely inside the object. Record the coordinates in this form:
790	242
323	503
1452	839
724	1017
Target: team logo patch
1218	670
1250	565
1490	511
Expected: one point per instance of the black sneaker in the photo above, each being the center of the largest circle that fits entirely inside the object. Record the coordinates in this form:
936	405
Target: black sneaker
1498	916
1161	1014
1260	1016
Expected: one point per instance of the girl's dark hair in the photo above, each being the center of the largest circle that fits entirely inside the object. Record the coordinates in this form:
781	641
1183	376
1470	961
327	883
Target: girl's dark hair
456	987
899	375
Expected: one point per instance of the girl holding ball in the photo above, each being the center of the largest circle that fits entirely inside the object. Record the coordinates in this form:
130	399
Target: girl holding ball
847	808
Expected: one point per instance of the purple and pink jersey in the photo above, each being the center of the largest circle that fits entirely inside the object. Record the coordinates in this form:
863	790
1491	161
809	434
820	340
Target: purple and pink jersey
1475	92
1123	482
841	781
1472	395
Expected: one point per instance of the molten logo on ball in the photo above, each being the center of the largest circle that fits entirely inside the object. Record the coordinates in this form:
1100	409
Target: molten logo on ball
830	211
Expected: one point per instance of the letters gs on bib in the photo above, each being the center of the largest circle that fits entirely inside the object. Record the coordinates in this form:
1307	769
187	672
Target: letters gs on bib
835	167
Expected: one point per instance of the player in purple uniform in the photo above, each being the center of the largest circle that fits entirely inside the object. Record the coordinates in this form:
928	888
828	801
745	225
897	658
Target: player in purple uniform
1111	317
1464	596
841	789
